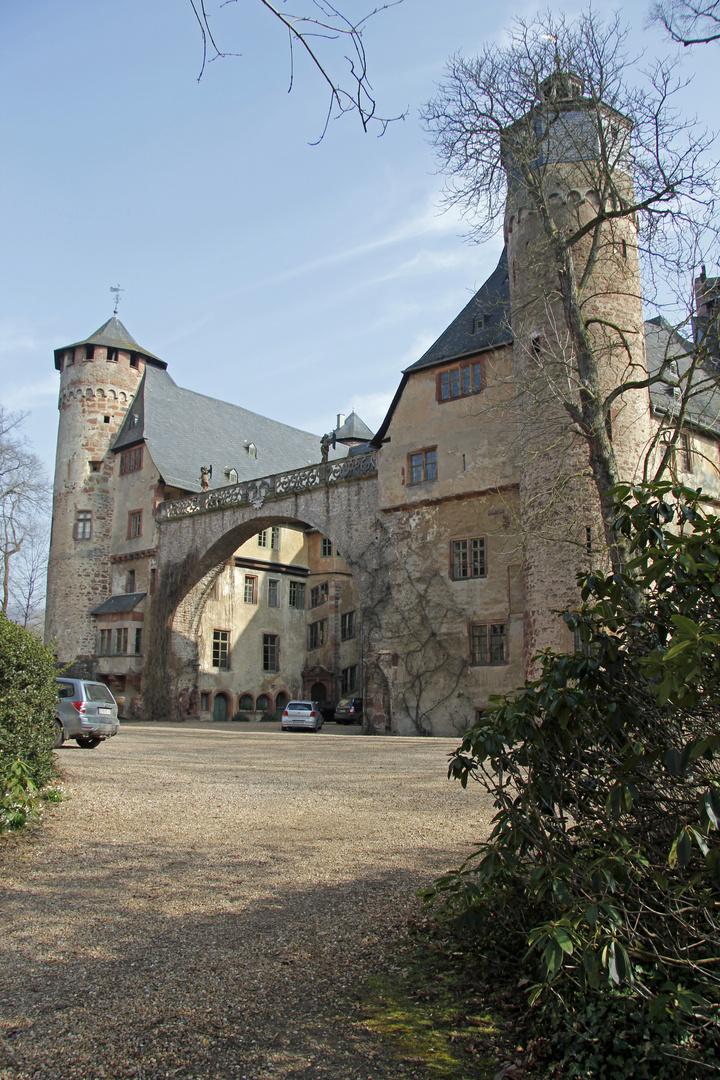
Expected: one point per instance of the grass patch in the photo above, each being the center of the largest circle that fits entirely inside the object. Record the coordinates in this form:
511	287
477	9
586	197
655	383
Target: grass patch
435	1011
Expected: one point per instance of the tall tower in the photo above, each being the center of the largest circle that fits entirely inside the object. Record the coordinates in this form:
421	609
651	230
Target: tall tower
567	159
99	377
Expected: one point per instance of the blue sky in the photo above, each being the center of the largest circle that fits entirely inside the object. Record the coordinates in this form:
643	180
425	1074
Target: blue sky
292	279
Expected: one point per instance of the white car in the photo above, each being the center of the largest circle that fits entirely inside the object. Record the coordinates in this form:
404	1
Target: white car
302	716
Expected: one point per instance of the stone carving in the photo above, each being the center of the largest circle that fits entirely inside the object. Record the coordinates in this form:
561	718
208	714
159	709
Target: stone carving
257	492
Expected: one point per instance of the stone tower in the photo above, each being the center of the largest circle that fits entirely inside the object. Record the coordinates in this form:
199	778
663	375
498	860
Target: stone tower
564	159
99	377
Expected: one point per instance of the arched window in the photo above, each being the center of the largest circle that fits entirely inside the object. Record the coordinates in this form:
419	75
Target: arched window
263	703
246	703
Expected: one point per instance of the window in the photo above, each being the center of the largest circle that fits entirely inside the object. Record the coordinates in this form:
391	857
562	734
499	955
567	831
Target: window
270	652
105	642
263	703
134	524
83	524
273	593
233	476
468	558
326	548
106	419
488	644
317	634
246	703
89	352
153	581
134	360
121	641
221	649
319	595
686	455
138	641
270	538
70	357
130	581
297	595
112	355
588	540
423	465
250	590
536	347
347	625
95	466
205	702
131	460
348	679
461	381
252	450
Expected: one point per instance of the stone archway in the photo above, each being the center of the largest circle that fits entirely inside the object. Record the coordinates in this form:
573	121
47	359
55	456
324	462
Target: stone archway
198	534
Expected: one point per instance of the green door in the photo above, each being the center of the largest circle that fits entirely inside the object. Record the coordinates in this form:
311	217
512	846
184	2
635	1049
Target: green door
220	707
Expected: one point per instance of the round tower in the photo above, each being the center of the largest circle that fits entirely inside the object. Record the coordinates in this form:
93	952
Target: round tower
99	378
567	163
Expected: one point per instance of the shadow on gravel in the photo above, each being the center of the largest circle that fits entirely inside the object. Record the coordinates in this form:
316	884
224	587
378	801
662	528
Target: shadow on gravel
197	964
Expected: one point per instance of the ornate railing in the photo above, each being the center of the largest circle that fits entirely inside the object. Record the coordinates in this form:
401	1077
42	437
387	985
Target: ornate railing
257	492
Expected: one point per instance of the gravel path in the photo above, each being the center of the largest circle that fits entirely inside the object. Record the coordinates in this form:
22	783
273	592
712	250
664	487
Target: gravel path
203	903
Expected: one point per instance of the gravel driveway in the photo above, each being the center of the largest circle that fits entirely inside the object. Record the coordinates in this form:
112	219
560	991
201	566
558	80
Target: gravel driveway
205	900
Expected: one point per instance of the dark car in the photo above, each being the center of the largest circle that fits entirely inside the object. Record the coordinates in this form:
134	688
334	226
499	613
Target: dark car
327	708
349	711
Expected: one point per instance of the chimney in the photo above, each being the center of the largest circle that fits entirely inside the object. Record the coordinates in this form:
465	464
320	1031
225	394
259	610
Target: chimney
340	421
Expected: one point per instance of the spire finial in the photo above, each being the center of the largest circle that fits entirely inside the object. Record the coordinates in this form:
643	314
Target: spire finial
117	290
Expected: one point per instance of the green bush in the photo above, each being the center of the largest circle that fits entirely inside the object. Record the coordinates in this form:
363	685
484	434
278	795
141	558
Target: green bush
601	877
240	718
28	700
267	717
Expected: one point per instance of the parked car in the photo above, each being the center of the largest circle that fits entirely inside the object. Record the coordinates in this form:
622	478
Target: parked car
327	708
86	712
302	715
349	710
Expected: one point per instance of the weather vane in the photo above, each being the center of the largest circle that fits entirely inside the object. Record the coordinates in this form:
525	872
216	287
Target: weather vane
117	290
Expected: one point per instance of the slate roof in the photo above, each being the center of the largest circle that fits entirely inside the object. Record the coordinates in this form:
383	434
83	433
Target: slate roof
353	428
484	323
114	334
661	342
123	602
184	430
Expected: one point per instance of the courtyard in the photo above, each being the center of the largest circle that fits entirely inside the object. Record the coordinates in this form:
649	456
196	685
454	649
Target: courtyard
208	899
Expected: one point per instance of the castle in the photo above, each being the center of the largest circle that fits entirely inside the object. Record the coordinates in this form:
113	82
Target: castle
206	560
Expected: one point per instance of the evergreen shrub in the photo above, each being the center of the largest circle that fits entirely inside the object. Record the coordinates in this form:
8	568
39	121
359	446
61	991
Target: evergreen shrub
28	701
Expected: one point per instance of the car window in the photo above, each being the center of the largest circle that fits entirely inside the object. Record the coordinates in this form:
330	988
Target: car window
95	691
65	690
343	702
300	706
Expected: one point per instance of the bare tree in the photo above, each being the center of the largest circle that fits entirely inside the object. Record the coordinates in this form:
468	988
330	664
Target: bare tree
24	501
689	22
565	106
333	43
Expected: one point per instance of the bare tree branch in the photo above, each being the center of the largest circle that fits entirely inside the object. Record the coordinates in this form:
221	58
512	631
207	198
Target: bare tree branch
314	32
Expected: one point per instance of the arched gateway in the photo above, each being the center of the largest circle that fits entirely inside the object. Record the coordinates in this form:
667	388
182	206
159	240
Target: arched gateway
197	534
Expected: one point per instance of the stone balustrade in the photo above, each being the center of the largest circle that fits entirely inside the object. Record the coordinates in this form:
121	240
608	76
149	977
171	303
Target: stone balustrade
256	493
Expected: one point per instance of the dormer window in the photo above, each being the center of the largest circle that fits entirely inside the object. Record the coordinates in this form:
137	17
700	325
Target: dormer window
134	360
481	322
252	450
89	352
233	476
112	355
134	420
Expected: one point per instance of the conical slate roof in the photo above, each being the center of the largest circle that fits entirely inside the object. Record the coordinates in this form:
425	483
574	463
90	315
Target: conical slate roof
116	336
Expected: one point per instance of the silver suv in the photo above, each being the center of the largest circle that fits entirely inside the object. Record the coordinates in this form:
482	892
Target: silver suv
86	712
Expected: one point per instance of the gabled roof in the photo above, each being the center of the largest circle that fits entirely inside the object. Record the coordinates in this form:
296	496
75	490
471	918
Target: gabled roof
184	430
113	334
484	323
353	428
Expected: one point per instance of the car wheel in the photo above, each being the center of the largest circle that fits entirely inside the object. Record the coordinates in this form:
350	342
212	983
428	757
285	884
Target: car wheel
88	744
59	735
